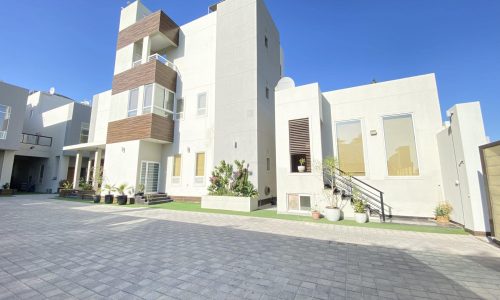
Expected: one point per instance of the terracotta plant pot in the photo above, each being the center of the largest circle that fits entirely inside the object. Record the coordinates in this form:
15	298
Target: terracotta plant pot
315	215
442	219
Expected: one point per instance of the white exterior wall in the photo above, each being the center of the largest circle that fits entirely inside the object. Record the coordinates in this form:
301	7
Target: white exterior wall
297	103
195	61
121	161
408	195
463	178
101	106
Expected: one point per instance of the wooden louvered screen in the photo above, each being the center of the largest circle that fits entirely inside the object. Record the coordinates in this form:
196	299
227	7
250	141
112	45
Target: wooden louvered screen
299	141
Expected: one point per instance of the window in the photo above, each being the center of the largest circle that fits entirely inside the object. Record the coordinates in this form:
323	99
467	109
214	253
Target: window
176	170
266	42
268	164
350	147
299	145
84	133
267	92
133	99
148	98
163	101
4	121
400	147
179	109
299	202
199	176
149	176
202	104
31	114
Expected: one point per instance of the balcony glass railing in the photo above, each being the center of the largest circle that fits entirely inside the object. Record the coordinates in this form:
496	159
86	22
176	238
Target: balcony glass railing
157	57
34	139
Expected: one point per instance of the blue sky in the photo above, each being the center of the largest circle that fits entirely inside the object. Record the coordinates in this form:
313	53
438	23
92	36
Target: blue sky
338	43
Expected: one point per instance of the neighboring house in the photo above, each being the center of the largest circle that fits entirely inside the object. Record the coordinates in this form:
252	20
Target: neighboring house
186	97
51	121
12	108
391	138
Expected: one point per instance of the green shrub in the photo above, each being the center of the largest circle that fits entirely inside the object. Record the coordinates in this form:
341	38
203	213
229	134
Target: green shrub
443	209
358	203
226	182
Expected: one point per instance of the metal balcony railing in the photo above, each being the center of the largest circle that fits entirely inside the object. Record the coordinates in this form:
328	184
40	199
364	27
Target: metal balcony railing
35	139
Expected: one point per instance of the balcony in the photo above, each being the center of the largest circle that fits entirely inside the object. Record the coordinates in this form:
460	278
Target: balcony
148	127
36	140
153	24
157	69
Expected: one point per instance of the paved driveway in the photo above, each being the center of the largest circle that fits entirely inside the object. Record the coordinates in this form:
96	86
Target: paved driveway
60	249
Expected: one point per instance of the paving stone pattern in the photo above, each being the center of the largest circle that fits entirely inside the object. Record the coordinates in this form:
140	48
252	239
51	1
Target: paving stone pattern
64	250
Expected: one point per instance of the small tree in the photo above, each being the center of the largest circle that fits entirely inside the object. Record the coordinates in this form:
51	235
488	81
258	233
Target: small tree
358	203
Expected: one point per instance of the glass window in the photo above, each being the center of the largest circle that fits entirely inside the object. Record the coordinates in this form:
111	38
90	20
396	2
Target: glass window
42	170
179	109
202	104
267	92
400	146
133	99
149	176
148	98
84	133
4	121
200	164
176	170
268	164
350	148
298	202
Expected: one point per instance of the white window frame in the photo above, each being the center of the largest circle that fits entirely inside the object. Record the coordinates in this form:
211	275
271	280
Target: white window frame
363	138
145	177
3	133
82	124
386	172
200	180
136	110
201	111
300	210
176	180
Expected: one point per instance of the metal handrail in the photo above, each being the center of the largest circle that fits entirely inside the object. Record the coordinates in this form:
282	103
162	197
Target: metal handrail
25	139
365	191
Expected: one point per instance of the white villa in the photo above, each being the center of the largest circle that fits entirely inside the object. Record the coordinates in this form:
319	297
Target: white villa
186	97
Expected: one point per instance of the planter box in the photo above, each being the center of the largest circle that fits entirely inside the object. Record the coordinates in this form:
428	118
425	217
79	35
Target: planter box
230	203
6	192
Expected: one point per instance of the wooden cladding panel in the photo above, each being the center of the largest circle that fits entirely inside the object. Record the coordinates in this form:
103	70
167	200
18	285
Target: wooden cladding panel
155	22
490	159
150	72
149	126
299	139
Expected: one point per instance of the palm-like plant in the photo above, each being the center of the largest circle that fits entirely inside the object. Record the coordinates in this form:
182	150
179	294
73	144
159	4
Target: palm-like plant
110	188
122	188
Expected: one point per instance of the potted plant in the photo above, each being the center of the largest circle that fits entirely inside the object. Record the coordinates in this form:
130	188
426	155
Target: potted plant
6	189
359	207
108	199
315	213
122	198
97	196
333	211
442	212
302	168
66	188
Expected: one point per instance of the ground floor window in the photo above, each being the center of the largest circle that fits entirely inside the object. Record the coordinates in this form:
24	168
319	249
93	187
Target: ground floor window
400	146
350	147
176	170
299	202
200	168
149	176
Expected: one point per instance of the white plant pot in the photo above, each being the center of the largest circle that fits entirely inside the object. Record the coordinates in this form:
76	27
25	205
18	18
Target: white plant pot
332	214
361	217
301	169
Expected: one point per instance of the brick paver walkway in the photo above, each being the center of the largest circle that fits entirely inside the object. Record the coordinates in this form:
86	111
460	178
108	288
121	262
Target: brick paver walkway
60	249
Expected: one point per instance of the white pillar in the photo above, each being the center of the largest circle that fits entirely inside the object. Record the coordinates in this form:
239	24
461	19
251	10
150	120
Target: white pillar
6	166
97	168
89	170
146	49
78	167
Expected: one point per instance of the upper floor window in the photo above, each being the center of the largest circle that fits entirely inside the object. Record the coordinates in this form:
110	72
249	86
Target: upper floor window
400	147
148	98
350	147
179	109
202	104
84	133
266	42
4	120
133	99
163	101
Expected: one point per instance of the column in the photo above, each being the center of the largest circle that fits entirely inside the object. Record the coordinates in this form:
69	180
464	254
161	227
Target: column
146	49
97	168
6	166
89	171
78	167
